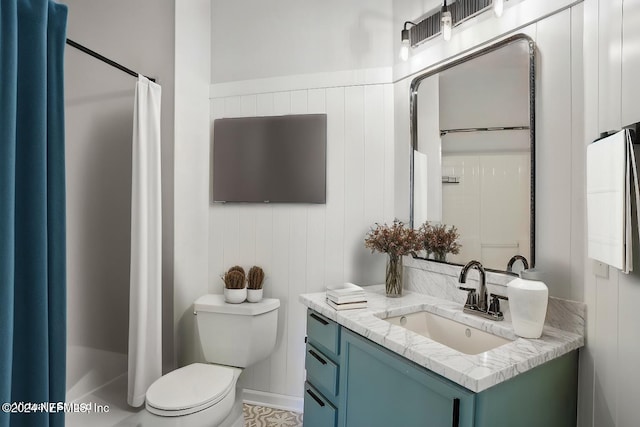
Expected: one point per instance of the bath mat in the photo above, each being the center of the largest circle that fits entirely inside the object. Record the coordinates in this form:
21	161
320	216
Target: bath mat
261	416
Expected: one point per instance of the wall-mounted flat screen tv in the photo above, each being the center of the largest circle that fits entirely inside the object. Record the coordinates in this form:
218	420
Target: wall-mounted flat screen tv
278	159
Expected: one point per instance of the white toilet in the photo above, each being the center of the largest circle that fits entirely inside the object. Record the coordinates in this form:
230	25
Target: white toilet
233	336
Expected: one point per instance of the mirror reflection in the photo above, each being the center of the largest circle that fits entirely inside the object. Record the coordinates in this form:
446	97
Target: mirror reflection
472	131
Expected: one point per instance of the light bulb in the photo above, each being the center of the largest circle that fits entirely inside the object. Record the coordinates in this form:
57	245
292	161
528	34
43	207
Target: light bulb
446	23
498	7
404	43
404	52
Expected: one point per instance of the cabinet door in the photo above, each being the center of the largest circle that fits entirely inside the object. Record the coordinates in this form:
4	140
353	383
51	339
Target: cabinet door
380	389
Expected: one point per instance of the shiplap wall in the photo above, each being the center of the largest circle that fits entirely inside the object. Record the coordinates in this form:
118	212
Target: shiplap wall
303	247
611	379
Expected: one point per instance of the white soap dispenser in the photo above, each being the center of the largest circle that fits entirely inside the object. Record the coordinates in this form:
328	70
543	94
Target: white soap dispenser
528	298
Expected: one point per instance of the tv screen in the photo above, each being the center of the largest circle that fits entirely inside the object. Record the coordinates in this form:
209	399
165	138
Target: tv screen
279	159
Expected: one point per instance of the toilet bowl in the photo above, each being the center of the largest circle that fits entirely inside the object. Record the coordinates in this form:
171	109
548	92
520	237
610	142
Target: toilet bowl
233	336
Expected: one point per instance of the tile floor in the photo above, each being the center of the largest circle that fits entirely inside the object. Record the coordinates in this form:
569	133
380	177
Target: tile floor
260	416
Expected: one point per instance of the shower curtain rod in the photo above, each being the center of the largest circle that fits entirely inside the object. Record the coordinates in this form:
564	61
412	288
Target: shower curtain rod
104	59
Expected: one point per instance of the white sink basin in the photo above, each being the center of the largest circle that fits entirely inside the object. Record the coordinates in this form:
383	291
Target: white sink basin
457	336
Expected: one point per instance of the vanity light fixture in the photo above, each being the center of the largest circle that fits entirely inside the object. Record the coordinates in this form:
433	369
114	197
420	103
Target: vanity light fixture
498	7
446	21
440	20
404	41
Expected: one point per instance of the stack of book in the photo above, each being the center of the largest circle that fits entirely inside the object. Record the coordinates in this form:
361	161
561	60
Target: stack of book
346	296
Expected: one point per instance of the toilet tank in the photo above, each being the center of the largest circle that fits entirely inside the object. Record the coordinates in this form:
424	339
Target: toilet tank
236	334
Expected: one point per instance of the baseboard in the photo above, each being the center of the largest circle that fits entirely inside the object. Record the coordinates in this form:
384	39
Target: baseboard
273	400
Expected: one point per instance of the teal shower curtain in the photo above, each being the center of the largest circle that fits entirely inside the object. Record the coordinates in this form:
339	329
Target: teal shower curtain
32	211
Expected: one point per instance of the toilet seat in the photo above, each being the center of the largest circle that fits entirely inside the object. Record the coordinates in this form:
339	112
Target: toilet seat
190	389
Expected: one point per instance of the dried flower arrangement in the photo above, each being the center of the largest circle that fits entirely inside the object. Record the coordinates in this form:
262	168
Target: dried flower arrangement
234	278
439	239
256	277
395	240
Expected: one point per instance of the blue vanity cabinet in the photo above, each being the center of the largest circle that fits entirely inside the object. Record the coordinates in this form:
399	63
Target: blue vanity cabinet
354	382
378	388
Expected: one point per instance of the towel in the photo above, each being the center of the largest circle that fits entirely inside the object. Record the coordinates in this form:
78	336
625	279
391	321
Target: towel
346	296
611	182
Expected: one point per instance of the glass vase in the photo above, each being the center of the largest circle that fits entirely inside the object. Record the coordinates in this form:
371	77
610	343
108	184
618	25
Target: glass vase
440	256
394	278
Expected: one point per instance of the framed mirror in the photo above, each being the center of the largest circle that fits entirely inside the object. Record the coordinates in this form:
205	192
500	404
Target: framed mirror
473	152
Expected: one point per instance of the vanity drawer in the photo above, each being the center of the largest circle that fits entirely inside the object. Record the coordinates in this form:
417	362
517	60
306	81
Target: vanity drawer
323	331
321	371
318	412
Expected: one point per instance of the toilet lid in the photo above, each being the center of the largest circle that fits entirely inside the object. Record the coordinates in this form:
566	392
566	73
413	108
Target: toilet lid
191	386
213	303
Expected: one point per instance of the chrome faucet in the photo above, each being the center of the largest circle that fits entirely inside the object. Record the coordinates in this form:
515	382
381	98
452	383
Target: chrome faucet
477	301
525	263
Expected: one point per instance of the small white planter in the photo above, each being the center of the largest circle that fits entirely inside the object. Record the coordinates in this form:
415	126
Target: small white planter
235	296
254	295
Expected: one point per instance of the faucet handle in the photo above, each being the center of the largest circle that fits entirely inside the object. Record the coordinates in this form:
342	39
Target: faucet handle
494	306
472	296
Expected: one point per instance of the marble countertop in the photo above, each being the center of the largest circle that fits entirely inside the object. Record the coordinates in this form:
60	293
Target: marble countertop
474	372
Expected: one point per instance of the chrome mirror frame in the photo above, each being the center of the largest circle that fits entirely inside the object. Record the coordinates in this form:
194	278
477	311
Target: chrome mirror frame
413	114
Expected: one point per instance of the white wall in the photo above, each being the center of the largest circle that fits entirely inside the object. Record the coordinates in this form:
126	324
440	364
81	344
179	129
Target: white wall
609	364
253	39
302	248
291	57
192	71
99	117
